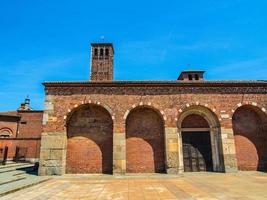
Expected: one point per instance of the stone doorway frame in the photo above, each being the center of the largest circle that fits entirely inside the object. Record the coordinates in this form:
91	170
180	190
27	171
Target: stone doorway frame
215	135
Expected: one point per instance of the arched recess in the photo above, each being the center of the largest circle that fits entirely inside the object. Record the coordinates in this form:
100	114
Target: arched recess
145	149
5	132
250	133
199	126
90	140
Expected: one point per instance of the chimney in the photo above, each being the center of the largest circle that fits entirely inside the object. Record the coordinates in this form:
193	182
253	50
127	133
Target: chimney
191	75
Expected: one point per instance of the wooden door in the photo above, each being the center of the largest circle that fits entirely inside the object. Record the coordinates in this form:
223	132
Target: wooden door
197	153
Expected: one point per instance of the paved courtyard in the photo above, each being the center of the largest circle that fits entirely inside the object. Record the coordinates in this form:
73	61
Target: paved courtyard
188	186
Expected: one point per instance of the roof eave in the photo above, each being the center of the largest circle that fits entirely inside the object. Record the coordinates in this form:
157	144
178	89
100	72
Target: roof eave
155	83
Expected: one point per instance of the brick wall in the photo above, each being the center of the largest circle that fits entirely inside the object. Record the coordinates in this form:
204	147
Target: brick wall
30	148
169	101
89	145
26	135
11	126
194	121
30	124
144	142
250	138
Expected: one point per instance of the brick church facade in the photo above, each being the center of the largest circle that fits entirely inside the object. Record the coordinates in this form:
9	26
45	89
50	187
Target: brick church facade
20	133
189	124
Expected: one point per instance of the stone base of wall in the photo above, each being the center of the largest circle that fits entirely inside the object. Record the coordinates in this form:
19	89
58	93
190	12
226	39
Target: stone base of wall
119	154
229	153
172	150
53	153
230	163
172	171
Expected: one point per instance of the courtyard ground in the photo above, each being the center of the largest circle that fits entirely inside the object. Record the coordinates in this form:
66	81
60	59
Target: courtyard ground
242	185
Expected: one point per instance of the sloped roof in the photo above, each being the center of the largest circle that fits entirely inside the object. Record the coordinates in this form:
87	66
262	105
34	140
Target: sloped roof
9	113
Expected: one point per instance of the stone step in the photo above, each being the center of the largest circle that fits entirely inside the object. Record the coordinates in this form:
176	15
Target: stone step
12	173
28	181
11	179
13	164
25	166
12	176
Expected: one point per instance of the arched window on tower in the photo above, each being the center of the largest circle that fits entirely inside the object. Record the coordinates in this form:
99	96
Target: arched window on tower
101	52
190	77
106	52
96	52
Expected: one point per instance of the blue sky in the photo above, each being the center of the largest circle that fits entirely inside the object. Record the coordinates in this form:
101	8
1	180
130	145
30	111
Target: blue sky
49	40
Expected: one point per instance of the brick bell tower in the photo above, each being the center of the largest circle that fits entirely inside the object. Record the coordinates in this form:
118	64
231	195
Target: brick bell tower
101	62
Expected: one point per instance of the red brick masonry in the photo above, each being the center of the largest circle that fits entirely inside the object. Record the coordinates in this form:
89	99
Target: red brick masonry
126	102
26	129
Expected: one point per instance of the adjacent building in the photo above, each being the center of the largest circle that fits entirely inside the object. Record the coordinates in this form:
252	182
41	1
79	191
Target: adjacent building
20	133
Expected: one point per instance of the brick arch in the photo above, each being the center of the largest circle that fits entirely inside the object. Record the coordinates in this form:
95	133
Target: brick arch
90	140
71	110
194	121
210	121
249	122
6	131
249	103
207	113
146	105
201	106
145	146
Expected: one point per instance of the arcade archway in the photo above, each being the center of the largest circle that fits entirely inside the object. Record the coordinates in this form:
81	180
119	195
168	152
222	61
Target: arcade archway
90	139
250	133
145	149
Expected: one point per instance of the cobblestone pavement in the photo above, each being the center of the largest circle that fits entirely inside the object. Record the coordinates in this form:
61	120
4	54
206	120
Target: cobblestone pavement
188	186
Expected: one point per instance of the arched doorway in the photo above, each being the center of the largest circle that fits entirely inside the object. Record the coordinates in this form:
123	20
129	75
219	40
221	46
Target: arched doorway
145	141
90	139
199	140
197	151
250	133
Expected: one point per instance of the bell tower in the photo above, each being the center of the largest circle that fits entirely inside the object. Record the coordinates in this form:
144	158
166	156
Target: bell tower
101	62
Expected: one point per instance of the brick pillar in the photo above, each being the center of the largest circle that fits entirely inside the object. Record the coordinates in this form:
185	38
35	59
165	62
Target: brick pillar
53	153
119	149
172	150
229	153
